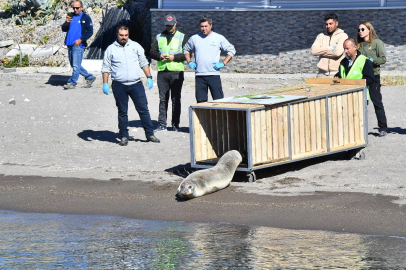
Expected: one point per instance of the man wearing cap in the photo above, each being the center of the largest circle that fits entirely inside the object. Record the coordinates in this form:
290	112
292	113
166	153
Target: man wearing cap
207	46
167	50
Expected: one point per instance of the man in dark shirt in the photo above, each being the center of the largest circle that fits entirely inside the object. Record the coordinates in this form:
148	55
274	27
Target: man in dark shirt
167	49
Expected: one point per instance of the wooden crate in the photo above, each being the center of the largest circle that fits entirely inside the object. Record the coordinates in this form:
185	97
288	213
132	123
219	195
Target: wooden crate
331	117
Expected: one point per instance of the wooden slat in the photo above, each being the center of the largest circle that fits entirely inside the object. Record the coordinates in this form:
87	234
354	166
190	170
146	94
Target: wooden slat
292	128
281	152
285	131
208	129
296	127
350	107
244	131
360	82
313	133
203	135
304	155
356	116
350	145
345	119
196	130
253	139
361	115
264	152
335	121
330	122
225	133
340	131
219	125
318	123
307	125
258	150
301	132
269	121
323	123
275	146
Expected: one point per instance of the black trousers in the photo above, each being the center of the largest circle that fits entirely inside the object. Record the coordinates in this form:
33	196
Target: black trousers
170	85
376	98
203	83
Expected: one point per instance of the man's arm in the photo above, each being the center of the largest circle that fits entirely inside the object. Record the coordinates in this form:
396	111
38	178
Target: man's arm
338	47
66	24
154	51
188	48
180	57
368	72
147	71
105	77
87	32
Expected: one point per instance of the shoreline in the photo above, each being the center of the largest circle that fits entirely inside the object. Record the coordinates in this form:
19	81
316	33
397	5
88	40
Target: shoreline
327	211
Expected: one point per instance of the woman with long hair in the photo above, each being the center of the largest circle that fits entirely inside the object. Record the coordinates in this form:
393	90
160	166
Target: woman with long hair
373	48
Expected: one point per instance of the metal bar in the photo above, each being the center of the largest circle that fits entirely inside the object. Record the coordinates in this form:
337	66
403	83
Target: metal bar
289	134
192	141
249	140
327	127
365	116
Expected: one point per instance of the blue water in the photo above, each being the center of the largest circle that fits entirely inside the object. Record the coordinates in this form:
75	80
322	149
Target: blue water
55	241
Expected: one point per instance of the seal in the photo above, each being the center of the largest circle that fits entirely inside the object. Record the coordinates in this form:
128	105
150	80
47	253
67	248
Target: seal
210	180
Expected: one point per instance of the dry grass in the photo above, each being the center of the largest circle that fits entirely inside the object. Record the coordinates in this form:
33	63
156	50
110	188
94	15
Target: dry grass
393	80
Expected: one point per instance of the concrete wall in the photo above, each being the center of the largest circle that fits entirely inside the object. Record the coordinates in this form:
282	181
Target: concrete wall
279	41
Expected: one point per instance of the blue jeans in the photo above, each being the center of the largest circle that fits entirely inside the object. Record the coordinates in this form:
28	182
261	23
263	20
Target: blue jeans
136	92
75	54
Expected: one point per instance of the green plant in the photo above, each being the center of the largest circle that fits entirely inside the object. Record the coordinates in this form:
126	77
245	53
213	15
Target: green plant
15	62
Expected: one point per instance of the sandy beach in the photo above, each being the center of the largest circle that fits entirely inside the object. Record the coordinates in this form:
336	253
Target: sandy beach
59	153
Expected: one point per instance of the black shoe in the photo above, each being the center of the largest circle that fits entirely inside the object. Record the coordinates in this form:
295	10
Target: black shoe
153	139
383	133
89	82
160	127
124	141
69	86
176	128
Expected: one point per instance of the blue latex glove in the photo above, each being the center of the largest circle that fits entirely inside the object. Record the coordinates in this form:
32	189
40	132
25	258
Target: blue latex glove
106	88
334	47
218	65
370	58
149	83
192	65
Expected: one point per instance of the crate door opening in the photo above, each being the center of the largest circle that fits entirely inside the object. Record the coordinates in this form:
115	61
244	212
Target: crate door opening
217	131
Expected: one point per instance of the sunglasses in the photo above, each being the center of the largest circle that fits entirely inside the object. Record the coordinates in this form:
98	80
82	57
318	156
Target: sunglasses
76	7
361	30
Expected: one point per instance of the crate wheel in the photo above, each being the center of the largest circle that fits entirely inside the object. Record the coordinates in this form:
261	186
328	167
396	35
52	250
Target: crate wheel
359	154
251	177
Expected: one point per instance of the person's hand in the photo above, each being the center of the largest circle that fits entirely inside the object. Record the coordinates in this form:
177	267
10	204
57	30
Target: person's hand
370	58
170	57
162	57
218	65
68	18
150	83
192	65
78	42
106	88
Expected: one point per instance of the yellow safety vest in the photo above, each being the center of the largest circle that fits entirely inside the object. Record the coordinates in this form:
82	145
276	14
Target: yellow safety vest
355	70
174	47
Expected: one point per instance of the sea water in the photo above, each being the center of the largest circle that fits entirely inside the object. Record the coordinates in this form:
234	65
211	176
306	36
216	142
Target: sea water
56	241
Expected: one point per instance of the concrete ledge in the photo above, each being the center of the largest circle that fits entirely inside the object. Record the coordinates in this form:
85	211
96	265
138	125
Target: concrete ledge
54	70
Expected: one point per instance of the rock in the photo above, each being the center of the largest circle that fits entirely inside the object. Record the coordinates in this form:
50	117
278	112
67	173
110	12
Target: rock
12	101
45	50
25	49
54	70
63	50
6	43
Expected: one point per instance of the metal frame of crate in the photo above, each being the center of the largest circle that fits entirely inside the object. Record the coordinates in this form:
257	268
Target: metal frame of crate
333	118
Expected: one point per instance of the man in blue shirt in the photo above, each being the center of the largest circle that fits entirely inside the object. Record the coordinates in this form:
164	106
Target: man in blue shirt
79	28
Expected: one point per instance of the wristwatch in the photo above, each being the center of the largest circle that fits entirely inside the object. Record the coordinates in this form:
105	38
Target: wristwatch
150	77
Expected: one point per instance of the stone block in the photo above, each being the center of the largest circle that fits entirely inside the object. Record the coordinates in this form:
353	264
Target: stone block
45	50
6	43
54	70
92	65
25	49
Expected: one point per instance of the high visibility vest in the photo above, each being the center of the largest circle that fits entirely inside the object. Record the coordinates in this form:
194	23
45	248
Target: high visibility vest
174	47
355	70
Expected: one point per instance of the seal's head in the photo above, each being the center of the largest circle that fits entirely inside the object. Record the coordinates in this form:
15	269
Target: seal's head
187	189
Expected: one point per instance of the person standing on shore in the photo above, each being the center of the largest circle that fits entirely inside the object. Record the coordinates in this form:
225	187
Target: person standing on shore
328	47
373	48
79	28
167	49
120	60
207	46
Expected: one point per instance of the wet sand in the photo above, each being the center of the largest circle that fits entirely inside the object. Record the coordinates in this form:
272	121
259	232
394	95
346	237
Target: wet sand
339	212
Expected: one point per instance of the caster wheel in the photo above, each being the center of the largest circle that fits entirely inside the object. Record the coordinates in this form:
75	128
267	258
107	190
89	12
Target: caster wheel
358	154
251	177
